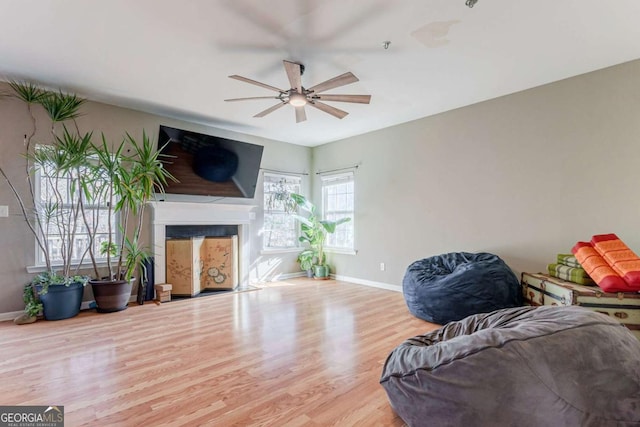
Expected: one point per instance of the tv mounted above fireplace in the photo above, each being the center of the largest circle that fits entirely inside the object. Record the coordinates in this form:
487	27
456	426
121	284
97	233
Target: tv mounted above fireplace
207	165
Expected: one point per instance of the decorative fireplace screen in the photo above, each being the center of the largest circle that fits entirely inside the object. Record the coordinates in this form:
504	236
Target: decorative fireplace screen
196	264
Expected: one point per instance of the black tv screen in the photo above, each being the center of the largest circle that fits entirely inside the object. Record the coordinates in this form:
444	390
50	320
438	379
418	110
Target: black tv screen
207	165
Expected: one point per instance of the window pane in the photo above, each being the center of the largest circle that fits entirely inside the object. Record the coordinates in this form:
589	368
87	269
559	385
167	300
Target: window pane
280	227
53	190
337	203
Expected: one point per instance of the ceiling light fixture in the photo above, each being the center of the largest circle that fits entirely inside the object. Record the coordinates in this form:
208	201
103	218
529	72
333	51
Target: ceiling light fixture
297	99
470	3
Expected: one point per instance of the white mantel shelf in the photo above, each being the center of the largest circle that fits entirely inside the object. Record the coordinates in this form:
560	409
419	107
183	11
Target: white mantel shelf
184	213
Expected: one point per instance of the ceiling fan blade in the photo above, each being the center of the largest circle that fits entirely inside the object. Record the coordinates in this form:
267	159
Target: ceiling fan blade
253	82
301	115
253	97
360	99
293	73
336	112
270	110
341	80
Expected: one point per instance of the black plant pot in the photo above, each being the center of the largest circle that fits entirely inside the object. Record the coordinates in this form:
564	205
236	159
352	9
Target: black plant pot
61	301
111	295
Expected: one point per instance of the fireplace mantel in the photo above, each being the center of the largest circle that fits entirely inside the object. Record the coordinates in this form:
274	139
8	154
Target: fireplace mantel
183	213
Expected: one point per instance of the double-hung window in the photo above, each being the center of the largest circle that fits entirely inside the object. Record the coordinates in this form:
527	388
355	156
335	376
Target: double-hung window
58	194
337	203
280	229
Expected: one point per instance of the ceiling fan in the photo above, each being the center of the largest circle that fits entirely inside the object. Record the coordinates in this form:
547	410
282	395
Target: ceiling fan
298	96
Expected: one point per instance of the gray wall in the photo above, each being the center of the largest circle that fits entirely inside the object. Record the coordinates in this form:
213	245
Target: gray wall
524	176
17	245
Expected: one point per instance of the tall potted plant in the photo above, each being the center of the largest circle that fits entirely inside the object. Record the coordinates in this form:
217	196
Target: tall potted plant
314	233
55	210
130	182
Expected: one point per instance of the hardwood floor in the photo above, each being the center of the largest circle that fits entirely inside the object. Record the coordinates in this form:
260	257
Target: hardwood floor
295	353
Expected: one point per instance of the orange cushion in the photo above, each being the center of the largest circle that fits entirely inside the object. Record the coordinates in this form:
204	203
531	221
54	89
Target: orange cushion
599	270
618	255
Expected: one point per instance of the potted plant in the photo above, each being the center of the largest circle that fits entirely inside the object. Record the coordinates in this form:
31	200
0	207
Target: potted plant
314	232
55	208
76	178
305	259
130	181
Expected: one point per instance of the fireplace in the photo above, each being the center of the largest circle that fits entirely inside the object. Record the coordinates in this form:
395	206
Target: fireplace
192	219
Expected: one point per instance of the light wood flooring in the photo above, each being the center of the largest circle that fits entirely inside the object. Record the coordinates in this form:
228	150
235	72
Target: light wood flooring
294	353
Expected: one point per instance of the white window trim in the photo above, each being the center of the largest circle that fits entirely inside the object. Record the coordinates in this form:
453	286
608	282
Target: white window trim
86	265
341	251
329	177
276	251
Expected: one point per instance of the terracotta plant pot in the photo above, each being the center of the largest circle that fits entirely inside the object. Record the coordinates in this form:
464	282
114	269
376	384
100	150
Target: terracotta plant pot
111	295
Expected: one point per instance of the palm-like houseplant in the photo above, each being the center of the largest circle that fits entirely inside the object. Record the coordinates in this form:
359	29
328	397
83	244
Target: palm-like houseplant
57	207
75	173
129	183
314	233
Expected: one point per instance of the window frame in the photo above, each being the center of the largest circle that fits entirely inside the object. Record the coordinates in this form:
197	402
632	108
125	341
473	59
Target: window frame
273	177
329	178
40	265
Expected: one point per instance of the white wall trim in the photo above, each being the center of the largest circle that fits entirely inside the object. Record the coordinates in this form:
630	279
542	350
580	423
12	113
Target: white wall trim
10	315
373	284
281	251
13	314
285	276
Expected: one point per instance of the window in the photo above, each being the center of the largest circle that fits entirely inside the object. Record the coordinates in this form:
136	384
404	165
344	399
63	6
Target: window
338	202
50	190
280	227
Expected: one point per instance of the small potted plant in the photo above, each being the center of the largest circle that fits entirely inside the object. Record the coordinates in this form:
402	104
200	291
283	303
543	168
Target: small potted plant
314	232
305	259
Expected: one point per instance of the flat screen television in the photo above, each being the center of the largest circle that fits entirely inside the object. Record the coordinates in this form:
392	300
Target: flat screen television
207	165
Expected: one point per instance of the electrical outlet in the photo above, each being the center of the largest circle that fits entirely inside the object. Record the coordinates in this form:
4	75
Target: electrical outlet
4	211
382	266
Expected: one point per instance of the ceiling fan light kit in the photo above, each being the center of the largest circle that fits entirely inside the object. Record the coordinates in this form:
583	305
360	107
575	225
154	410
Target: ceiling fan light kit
298	96
297	99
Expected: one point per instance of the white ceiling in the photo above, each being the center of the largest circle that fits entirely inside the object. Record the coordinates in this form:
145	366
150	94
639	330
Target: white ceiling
174	57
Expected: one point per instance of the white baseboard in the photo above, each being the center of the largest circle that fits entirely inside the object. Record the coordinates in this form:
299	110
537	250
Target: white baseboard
10	315
284	276
373	284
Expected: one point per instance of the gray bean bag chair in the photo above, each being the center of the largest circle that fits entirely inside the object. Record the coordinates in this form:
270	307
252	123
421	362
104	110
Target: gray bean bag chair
525	366
450	287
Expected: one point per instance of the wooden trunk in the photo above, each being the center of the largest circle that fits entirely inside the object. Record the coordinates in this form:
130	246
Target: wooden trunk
542	289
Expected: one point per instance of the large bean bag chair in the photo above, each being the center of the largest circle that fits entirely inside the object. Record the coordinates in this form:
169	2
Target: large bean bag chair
452	286
524	366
